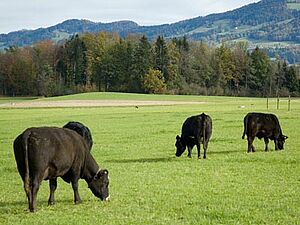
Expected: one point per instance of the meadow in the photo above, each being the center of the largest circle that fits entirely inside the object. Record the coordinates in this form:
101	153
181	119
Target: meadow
149	185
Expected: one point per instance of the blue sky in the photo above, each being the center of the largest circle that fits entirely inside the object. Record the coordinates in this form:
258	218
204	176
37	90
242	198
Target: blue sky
32	14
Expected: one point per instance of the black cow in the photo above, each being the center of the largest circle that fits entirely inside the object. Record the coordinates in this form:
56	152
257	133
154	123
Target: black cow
265	126
81	129
45	153
195	130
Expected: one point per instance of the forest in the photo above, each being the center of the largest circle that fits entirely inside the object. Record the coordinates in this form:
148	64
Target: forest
110	63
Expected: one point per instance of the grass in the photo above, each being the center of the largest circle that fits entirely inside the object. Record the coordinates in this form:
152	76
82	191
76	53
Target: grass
13	100
149	185
125	96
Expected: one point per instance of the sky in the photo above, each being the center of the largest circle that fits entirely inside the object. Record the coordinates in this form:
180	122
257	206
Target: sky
32	14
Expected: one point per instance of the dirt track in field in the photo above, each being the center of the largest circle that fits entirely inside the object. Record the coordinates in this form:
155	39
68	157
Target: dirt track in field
90	103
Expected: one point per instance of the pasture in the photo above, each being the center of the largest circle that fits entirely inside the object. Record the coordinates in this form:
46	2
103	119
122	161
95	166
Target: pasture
149	185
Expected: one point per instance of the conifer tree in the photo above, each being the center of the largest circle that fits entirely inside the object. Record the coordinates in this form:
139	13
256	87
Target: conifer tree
142	61
260	72
161	57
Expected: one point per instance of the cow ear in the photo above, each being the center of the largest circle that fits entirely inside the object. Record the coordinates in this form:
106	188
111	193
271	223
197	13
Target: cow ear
177	137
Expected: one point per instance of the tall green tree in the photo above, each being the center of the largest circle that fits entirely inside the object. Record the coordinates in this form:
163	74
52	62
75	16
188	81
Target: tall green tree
184	64
226	67
98	57
117	66
201	70
242	63
142	61
94	54
161	57
184	58
290	79
43	55
75	62
260	72
174	82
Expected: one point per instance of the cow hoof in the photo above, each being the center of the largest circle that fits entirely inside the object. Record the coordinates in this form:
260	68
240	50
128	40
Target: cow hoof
32	210
78	202
51	203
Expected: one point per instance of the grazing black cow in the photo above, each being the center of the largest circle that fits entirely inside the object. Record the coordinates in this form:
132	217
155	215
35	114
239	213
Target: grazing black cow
45	153
195	130
265	126
81	129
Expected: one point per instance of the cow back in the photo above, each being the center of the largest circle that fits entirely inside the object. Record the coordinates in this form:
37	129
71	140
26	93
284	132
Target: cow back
52	151
197	126
262	125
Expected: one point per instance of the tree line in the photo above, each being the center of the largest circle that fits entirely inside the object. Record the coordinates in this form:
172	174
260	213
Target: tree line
107	62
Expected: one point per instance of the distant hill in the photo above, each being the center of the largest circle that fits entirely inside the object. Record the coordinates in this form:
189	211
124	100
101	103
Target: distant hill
271	23
62	31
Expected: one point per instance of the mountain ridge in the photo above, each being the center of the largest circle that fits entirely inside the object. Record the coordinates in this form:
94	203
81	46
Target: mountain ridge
266	20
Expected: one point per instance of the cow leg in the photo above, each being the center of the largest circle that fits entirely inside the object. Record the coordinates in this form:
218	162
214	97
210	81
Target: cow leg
198	149
29	198
34	190
189	152
28	194
250	144
276	144
53	186
266	143
77	199
205	144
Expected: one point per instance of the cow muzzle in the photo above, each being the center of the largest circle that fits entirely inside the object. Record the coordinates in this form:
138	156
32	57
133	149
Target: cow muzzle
106	199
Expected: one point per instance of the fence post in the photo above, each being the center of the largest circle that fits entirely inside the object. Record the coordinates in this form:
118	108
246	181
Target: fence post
289	103
277	101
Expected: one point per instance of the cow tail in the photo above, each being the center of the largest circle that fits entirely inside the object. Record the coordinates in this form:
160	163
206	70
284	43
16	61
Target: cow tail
26	160
245	127
203	127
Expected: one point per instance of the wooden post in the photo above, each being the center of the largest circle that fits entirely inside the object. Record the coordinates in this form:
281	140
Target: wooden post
277	102
289	103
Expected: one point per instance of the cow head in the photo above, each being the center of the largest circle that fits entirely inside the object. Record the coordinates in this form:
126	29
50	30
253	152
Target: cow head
281	140
99	185
180	146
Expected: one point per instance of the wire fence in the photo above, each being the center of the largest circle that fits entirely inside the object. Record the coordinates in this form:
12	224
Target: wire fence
278	103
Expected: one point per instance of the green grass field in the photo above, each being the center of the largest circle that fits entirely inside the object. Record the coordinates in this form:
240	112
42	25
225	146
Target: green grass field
149	185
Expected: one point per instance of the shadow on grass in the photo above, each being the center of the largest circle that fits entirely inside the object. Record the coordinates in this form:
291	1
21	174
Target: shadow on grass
12	204
224	152
9	205
142	160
